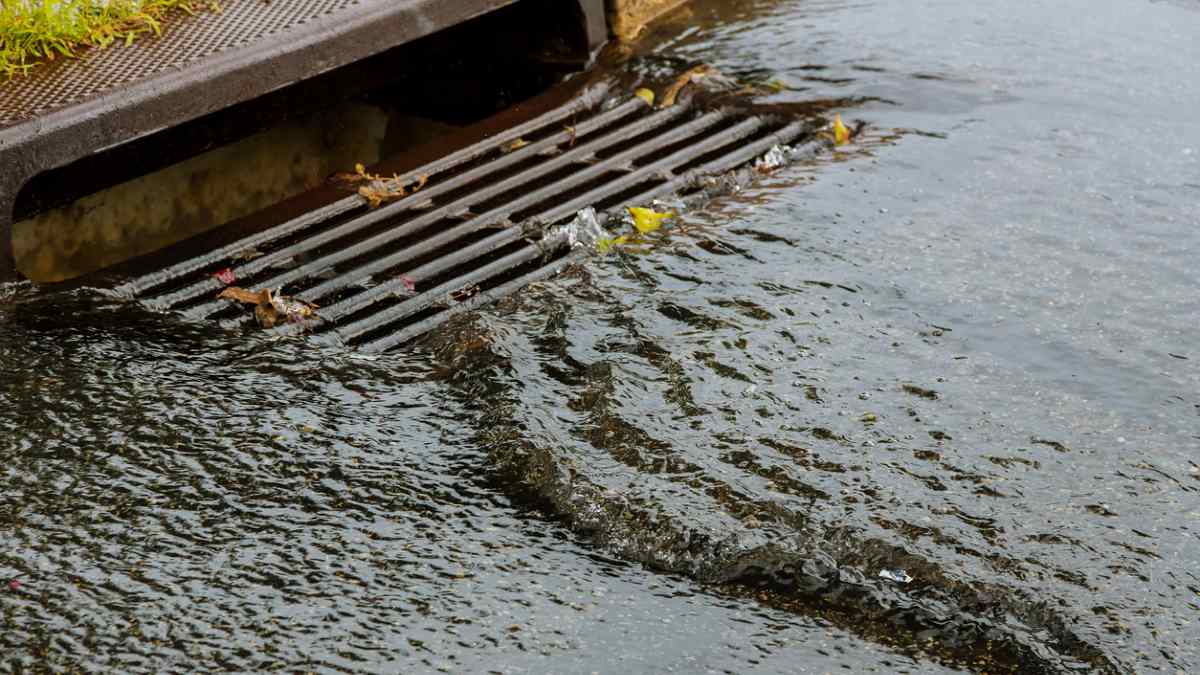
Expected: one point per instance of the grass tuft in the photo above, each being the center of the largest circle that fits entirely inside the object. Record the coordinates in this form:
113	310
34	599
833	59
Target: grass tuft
35	31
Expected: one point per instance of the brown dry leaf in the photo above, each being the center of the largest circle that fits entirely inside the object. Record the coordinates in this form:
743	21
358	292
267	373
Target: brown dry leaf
266	315
373	197
360	175
381	191
242	295
285	309
363	175
270	309
682	81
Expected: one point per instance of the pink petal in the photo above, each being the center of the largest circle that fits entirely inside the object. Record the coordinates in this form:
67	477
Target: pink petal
409	284
225	276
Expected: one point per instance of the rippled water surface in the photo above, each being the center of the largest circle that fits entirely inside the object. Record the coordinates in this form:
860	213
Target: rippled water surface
962	352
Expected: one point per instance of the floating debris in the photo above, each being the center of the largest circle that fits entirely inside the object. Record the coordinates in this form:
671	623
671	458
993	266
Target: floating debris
774	86
583	230
382	191
648	220
360	174
898	576
270	308
606	244
225	276
465	292
242	295
782	155
379	189
841	134
775	158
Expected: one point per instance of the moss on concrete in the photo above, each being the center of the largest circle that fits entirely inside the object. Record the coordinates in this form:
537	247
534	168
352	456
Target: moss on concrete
35	31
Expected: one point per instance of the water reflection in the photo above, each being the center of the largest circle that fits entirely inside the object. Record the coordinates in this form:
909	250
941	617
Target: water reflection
179	497
957	353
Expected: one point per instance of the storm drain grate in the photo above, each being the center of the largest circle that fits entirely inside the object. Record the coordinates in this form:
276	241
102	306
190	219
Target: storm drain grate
475	232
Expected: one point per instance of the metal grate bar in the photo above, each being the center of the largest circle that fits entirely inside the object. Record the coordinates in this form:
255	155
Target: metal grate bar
475	223
650	171
416	304
414	226
429	298
491	295
660	169
589	99
784	136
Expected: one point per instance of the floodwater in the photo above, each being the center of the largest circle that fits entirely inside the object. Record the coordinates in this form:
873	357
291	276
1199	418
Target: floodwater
961	352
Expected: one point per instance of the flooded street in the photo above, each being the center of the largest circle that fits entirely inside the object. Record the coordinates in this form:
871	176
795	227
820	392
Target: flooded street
929	404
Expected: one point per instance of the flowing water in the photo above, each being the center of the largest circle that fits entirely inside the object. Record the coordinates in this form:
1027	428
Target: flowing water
928	404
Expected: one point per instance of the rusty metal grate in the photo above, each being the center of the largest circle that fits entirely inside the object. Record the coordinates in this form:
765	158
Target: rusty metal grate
384	276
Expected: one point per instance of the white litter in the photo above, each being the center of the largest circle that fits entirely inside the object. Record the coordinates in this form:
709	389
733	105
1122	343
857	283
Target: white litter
899	576
583	230
776	157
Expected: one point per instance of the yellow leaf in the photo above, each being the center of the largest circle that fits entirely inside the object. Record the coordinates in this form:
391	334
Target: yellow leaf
646	95
647	220
841	135
603	245
775	86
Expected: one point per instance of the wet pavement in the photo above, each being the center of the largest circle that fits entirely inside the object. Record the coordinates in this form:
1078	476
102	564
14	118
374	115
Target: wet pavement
961	353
